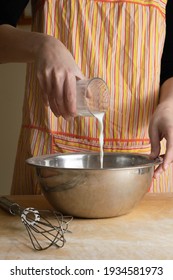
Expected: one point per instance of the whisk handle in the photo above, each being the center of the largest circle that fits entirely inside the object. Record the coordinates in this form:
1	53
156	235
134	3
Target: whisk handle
9	206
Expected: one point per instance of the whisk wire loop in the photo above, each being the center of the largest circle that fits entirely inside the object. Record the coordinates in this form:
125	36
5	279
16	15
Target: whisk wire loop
42	233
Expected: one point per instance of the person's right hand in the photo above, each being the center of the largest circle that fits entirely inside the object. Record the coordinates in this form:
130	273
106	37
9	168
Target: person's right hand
56	68
57	72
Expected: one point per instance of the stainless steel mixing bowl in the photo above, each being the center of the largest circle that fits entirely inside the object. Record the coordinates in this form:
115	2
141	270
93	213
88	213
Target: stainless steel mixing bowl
76	185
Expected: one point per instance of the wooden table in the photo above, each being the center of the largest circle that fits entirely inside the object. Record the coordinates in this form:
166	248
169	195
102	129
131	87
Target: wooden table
145	233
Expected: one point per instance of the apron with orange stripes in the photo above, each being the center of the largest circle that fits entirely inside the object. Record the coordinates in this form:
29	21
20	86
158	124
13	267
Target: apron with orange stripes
120	41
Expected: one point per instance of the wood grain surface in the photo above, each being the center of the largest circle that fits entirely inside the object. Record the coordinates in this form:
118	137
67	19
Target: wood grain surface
145	233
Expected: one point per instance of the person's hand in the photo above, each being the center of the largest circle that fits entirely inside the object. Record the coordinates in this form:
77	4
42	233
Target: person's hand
57	72
56	69
161	126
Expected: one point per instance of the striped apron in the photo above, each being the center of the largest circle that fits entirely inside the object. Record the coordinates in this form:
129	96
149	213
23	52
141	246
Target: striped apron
120	41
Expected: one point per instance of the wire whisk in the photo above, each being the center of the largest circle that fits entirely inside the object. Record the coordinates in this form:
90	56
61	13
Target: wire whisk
42	233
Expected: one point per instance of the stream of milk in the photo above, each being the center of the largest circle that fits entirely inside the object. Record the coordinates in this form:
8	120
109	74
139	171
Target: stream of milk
99	117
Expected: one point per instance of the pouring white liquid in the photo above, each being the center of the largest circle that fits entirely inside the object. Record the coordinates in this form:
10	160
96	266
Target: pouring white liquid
92	99
99	117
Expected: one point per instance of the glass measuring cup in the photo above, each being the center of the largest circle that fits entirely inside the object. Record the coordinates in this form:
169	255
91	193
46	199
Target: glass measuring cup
92	97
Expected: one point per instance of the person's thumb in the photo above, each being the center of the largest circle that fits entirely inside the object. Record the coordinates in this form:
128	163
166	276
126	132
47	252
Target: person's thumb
155	142
78	73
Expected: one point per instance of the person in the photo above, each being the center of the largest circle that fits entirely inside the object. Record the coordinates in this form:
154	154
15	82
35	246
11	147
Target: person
120	41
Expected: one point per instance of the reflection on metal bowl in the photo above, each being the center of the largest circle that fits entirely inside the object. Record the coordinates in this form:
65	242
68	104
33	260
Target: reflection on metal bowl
75	184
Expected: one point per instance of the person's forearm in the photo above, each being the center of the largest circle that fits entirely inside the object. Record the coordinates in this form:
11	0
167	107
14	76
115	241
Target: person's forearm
166	91
17	45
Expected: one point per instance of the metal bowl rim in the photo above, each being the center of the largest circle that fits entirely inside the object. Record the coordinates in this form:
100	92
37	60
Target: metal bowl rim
34	161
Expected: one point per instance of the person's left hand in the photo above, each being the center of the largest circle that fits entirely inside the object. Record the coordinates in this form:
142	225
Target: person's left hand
161	126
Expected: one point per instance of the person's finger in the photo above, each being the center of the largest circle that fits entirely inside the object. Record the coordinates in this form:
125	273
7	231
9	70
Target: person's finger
155	141
57	93
78	74
158	171
54	108
45	85
70	94
168	158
